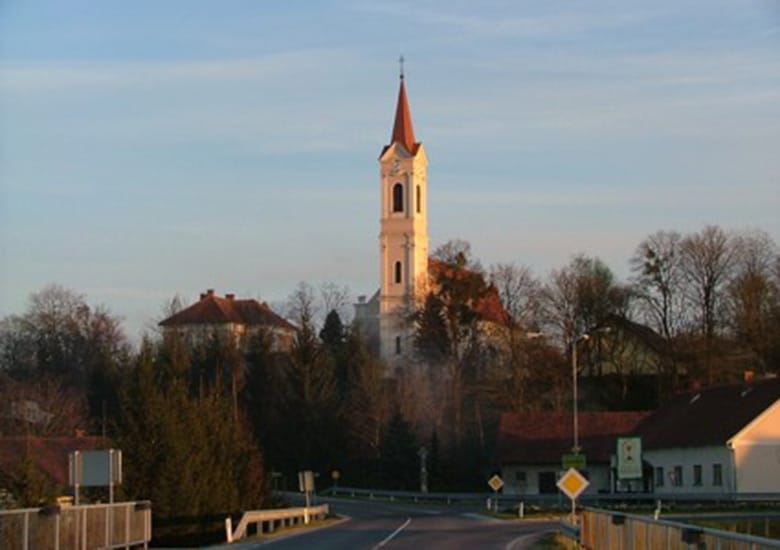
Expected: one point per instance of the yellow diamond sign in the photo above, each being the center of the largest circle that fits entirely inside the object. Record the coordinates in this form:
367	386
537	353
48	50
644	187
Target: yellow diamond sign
496	483
572	483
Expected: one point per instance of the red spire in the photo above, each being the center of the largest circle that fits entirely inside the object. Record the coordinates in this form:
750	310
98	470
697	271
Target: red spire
403	132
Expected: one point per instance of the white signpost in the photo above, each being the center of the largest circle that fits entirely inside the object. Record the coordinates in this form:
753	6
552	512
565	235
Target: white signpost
495	483
629	458
306	485
99	468
572	484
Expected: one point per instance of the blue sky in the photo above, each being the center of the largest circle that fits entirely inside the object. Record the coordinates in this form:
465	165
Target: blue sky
155	148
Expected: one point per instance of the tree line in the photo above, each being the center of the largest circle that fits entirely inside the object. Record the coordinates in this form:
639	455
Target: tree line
208	426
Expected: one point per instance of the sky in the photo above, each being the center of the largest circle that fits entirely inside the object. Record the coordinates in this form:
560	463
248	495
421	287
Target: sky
149	149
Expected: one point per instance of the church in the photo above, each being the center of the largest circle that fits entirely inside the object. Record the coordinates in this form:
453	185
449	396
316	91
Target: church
403	241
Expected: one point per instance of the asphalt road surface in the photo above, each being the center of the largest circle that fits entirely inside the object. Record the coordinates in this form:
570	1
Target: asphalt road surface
371	525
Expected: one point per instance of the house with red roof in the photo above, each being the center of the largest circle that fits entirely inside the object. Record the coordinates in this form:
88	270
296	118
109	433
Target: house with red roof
530	448
719	440
229	316
49	455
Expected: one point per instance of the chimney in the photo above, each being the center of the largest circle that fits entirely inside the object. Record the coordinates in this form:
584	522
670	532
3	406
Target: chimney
362	299
230	296
210	292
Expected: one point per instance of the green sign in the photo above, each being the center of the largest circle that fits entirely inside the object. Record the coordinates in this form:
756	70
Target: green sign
573	461
629	458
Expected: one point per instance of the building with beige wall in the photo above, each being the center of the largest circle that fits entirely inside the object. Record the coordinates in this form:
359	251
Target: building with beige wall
230	317
403	240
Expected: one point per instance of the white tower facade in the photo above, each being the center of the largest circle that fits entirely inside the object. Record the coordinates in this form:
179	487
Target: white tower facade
403	237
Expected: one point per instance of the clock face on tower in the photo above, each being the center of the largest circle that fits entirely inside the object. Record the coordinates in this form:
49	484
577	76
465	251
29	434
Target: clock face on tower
395	167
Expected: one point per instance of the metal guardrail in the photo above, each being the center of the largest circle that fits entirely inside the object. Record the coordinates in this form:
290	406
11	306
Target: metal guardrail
608	530
553	499
117	525
267	520
569	530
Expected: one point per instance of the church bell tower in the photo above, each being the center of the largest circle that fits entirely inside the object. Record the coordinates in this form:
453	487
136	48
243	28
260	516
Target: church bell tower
403	237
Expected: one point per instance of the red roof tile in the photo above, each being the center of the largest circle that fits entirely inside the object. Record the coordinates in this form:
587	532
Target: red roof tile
50	454
543	437
489	306
403	132
708	417
215	310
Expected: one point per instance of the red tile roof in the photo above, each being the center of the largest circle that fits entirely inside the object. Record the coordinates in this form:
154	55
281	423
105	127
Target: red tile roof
50	454
489	306
708	417
403	132
543	437
215	310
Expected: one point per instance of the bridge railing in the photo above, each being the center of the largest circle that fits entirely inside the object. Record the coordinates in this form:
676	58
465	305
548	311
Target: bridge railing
608	530
117	525
267	521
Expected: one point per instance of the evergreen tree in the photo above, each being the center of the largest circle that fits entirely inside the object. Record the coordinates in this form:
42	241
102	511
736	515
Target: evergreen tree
399	461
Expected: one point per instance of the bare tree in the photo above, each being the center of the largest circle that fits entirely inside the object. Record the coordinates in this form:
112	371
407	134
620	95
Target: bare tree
658	281
754	296
336	298
43	407
580	296
520	294
708	261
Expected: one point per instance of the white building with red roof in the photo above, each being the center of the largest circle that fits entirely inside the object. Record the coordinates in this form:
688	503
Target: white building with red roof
237	318
530	448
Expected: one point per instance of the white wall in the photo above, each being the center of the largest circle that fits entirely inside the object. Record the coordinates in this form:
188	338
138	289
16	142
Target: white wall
598	476
757	454
687	458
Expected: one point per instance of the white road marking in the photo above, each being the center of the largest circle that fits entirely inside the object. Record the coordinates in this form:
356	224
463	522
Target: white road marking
392	535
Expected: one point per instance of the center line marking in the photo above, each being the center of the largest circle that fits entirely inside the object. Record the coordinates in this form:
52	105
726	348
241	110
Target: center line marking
392	535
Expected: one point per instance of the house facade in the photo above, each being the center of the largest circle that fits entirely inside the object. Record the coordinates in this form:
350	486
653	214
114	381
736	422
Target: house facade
232	318
721	440
531	446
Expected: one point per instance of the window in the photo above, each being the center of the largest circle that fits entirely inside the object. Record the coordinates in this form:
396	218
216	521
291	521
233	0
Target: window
717	475
697	475
521	477
547	483
398	345
418	197
398	198
659	476
676	476
397	272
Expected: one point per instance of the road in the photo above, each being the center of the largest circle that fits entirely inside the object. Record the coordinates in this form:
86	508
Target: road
373	525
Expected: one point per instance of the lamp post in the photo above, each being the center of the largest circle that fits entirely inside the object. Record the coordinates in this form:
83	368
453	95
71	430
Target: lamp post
575	420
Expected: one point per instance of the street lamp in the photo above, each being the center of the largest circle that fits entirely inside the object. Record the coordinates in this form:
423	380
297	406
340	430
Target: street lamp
585	336
581	338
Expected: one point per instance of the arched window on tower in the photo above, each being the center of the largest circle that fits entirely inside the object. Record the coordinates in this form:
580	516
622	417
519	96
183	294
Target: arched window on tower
417	201
397	272
398	197
398	345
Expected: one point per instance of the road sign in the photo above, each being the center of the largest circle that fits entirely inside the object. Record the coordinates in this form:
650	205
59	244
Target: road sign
496	483
629	458
573	461
572	483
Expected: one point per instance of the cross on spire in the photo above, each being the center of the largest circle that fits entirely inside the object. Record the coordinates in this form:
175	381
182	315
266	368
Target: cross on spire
401	63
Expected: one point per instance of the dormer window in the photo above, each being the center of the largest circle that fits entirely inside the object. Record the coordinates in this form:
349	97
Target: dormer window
398	197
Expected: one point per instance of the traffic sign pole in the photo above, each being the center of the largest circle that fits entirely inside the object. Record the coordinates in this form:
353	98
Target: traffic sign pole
572	484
